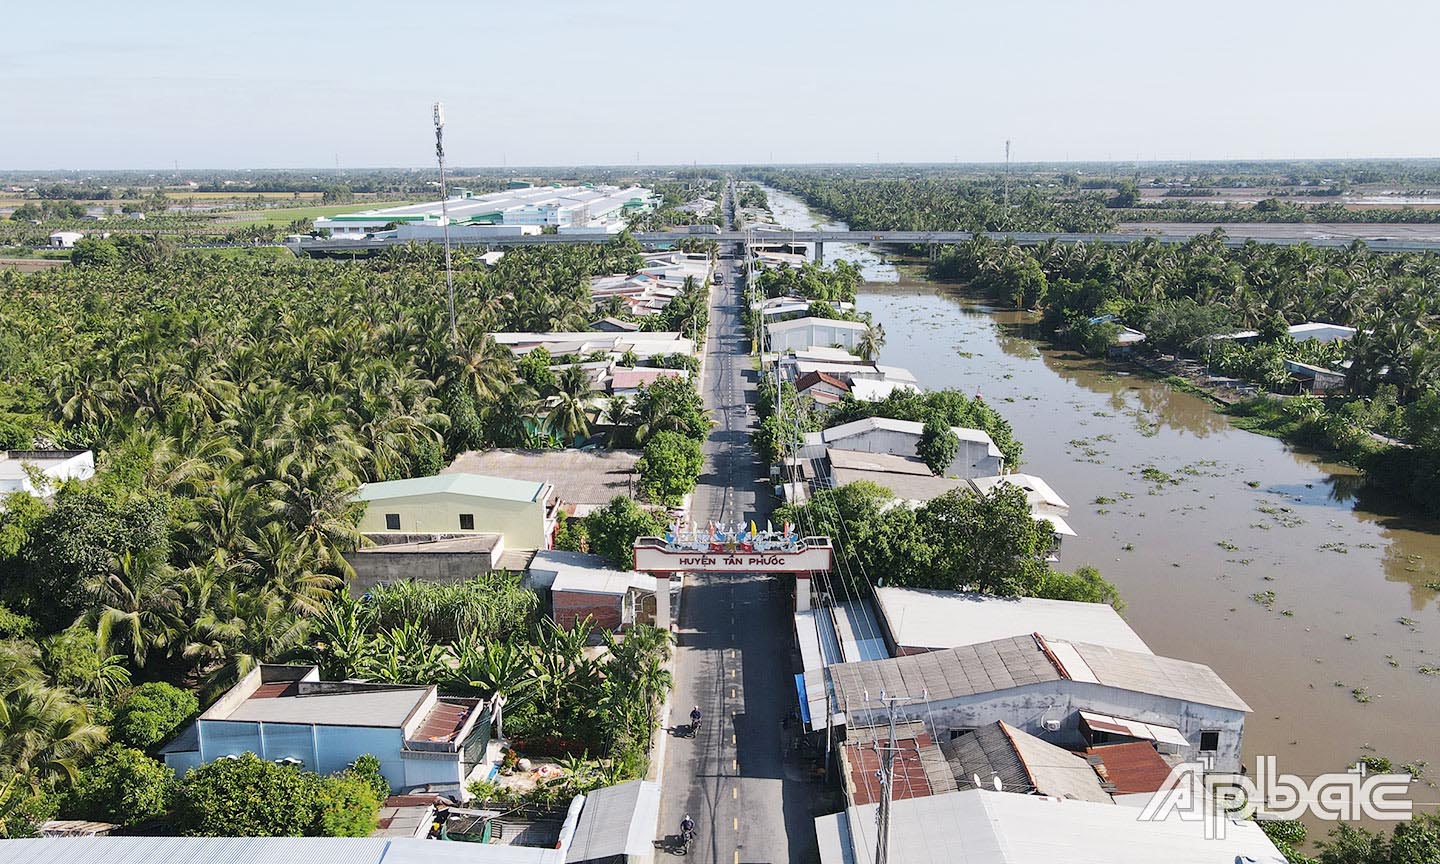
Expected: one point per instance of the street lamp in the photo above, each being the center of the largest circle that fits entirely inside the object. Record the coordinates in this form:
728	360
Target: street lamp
439	115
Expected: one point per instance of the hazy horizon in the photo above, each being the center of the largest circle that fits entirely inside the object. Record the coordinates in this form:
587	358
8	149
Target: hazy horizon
571	84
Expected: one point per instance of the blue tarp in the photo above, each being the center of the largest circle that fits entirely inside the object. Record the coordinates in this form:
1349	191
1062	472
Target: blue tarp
804	705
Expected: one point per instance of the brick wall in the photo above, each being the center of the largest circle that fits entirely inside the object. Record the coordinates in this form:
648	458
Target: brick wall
570	607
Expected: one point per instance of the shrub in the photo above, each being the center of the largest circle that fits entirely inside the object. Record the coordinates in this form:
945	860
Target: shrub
249	797
123	786
153	713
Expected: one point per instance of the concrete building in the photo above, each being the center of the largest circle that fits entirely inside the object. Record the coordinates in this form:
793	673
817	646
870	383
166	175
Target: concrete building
424	741
802	333
824	388
871	390
627	380
39	472
65	239
916	620
583	480
1316	331
585	586
1045	503
522	512
978	456
786	308
979	826
615	345
1046	687
567	208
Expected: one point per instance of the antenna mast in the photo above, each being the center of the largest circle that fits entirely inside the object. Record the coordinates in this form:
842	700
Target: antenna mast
439	116
1007	180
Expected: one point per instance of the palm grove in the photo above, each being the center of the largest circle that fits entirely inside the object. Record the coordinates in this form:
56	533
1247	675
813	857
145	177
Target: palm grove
235	407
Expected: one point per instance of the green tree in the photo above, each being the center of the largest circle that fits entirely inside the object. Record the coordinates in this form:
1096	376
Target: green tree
1413	842
152	714
121	785
938	445
669	467
613	528
94	253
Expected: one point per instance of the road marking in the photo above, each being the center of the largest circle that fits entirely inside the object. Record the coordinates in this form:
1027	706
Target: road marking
732	738
735	792
737	823
734	765
737	856
732	692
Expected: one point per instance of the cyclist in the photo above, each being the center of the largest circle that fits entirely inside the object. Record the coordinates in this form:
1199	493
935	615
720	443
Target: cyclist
695	719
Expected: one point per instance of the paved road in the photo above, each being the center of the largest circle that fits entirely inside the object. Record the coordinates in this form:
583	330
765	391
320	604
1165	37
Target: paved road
733	655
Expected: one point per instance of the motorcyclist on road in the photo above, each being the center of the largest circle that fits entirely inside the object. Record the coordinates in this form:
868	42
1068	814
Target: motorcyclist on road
687	827
695	718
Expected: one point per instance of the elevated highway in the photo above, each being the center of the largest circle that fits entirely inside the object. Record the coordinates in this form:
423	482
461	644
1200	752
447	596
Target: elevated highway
1378	237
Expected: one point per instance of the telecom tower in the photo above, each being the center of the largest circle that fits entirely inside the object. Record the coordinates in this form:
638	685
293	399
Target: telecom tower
445	216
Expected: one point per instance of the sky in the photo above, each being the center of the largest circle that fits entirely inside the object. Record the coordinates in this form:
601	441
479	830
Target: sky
264	84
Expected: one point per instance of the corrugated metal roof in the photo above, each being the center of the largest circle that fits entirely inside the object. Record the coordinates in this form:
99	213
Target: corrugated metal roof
382	708
1023	763
921	618
617	822
985	827
1004	664
478	485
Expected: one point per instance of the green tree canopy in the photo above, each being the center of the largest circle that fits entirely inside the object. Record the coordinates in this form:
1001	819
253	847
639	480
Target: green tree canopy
670	467
938	445
152	714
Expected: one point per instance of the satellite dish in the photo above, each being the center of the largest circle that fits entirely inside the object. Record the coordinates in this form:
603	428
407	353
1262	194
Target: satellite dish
996	781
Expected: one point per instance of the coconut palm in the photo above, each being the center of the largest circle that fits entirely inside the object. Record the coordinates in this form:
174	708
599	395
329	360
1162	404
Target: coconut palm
44	735
136	605
871	341
568	417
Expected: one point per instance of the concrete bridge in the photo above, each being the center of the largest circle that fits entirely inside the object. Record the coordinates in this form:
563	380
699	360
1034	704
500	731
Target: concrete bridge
1378	237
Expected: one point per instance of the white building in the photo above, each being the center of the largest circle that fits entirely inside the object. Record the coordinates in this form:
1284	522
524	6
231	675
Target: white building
641	344
1073	694
981	826
588	208
423	740
65	239
916	620
802	333
39	472
978	456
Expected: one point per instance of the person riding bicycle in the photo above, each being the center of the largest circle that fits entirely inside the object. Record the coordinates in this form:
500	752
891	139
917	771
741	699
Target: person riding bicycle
695	718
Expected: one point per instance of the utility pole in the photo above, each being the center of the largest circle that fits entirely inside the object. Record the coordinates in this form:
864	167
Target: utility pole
887	776
439	116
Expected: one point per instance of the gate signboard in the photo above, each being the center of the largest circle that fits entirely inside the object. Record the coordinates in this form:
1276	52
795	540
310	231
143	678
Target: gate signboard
738	552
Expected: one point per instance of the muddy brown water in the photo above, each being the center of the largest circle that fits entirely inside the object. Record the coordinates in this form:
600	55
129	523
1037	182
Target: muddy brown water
1330	666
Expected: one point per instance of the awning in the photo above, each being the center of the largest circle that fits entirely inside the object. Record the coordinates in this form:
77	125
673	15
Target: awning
1134	729
804	705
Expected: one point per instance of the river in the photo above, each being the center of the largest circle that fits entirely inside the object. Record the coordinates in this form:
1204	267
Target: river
1229	548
